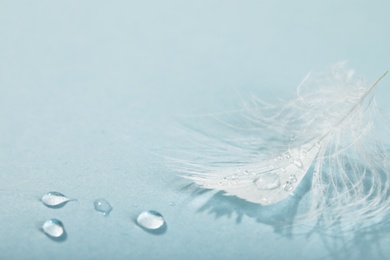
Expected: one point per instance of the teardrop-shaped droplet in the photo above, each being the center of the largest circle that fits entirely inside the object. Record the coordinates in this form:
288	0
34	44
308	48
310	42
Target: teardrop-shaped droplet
268	181
103	206
55	199
151	220
53	228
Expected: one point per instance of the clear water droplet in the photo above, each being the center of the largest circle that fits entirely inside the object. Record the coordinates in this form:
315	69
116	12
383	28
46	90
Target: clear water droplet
298	163
280	157
288	186
151	220
172	204
293	178
283	169
287	155
268	181
55	199
246	172
103	206
53	228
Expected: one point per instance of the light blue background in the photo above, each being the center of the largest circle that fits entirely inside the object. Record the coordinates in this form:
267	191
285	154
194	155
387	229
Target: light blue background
89	88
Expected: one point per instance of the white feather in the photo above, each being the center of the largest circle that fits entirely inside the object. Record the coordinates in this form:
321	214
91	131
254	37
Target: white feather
326	134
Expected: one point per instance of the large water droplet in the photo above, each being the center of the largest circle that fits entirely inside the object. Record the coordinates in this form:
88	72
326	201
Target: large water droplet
268	181
151	220
103	206
53	228
55	199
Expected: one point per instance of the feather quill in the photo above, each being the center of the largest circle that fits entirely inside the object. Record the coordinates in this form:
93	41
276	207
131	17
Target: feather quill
326	135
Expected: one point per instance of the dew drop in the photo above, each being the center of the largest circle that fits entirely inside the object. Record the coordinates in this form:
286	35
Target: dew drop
268	181
298	163
283	169
103	206
293	178
151	220
288	186
287	155
172	204
55	199
53	228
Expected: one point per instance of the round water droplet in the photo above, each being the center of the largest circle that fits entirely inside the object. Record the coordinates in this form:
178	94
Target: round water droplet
103	206
288	186
55	199
150	220
298	163
268	181
280	157
172	204
53	228
287	155
246	172
283	169
293	178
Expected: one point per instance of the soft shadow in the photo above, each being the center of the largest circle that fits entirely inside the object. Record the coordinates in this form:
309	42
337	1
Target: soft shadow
361	242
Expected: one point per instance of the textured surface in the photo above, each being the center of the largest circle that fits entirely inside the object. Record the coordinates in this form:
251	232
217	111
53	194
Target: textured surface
88	89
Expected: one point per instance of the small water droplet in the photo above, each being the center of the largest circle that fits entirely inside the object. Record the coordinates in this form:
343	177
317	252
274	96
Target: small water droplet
288	186
298	163
280	157
172	204
55	199
268	181
275	159
293	178
225	178
103	206
304	153
246	172
53	228
293	138
283	169
287	155
220	183
150	220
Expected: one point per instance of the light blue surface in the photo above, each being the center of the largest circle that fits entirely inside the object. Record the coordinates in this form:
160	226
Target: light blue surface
89	88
